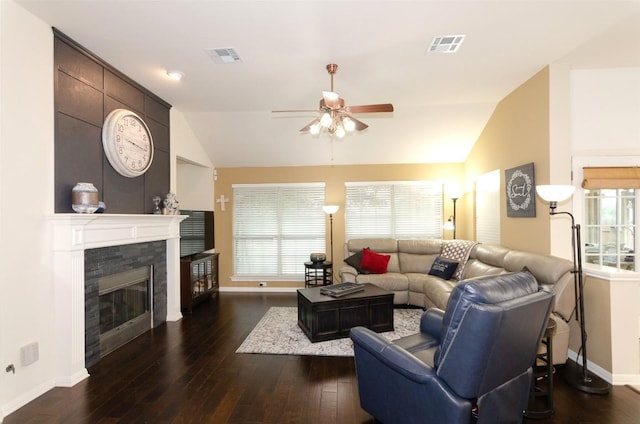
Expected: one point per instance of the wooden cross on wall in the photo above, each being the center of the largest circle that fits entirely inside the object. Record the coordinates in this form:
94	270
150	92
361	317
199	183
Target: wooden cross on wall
223	201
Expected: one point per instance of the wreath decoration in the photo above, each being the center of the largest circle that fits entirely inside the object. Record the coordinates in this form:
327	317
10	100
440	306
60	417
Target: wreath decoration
527	179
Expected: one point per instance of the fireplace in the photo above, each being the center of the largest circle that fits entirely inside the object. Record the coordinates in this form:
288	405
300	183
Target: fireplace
125	294
125	307
86	247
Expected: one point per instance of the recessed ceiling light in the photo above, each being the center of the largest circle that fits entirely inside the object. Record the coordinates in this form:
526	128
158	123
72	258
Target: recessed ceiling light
175	74
446	43
224	55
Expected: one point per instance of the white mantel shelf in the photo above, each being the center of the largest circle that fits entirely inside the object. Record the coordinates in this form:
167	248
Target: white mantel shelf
75	231
71	234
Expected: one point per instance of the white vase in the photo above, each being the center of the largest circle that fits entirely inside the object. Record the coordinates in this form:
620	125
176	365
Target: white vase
84	198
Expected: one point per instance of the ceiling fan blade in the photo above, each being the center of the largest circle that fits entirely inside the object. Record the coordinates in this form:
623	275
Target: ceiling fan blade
294	110
332	100
384	107
359	124
308	126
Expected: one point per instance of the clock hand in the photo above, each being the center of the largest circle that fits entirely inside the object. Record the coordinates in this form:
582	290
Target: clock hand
136	144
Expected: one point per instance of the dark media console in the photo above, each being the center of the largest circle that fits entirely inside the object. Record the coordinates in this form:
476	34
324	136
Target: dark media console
198	279
198	269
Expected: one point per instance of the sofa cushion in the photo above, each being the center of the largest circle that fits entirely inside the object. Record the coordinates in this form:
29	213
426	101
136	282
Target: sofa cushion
443	268
374	262
392	281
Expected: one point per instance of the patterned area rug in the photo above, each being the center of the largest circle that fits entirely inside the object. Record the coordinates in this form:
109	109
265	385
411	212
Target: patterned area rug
278	333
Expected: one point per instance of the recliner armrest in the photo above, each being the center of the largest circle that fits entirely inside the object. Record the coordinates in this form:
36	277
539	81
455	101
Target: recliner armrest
431	322
392	355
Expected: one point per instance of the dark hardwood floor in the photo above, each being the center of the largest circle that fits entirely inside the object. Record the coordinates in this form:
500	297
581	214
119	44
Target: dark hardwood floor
187	372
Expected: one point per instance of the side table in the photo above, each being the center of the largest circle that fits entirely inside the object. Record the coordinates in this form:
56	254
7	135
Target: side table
318	273
542	369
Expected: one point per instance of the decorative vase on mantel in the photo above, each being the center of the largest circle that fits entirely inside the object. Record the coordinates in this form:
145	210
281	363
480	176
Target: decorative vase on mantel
84	198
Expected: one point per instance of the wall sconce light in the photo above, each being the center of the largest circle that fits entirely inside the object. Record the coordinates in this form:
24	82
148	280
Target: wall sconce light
577	376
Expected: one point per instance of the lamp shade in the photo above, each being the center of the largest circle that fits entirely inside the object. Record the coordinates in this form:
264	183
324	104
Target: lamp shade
330	209
555	193
449	225
453	190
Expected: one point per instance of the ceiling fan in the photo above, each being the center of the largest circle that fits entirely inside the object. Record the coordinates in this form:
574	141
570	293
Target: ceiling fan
334	116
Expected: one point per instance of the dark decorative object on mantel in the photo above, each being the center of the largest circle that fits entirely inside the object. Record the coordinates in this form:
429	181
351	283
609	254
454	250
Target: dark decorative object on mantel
520	186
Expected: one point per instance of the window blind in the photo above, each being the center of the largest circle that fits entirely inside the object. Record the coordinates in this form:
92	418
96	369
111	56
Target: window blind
488	207
400	209
276	227
611	177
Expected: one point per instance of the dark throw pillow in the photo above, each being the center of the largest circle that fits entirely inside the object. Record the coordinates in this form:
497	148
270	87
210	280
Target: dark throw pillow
443	268
355	261
373	262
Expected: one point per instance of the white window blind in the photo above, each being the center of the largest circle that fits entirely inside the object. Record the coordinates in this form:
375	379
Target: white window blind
488	207
400	209
276	227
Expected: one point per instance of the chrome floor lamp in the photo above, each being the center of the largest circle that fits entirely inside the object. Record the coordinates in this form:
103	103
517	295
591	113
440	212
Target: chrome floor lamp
578	376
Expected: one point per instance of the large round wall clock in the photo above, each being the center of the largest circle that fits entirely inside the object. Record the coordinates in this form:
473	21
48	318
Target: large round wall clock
127	143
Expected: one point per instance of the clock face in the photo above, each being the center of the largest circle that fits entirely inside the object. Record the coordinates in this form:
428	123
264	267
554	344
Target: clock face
127	143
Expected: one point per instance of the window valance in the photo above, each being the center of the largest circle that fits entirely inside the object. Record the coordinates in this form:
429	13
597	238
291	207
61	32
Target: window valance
611	177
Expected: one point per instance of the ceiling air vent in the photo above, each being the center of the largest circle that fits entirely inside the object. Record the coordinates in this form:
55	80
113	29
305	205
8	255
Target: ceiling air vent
223	55
446	43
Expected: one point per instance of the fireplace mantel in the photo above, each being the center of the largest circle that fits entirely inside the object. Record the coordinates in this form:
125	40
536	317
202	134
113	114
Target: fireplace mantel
71	234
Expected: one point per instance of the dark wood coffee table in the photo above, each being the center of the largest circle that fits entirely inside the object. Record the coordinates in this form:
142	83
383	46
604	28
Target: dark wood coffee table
326	318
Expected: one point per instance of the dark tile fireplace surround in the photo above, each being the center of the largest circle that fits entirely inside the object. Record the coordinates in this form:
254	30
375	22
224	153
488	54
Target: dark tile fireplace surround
114	259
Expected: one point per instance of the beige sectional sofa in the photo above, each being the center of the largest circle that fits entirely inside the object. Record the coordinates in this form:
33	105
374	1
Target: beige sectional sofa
408	276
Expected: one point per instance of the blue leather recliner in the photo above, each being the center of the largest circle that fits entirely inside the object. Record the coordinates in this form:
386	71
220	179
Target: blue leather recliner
470	363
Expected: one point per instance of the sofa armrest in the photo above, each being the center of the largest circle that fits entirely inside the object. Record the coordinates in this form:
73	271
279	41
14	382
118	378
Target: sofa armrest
348	274
431	322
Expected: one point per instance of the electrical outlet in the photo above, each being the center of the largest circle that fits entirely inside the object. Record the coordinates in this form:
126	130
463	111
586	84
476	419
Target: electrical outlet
263	284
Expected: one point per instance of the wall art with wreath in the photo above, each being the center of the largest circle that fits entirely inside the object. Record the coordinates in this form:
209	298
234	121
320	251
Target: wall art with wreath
521	191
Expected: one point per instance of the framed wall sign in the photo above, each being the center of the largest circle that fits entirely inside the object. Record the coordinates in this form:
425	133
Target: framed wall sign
521	191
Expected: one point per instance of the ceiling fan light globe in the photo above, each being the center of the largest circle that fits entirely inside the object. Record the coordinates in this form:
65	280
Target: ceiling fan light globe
314	129
348	124
340	132
326	120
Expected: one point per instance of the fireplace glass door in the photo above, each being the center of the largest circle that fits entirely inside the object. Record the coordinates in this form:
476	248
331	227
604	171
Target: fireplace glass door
125	307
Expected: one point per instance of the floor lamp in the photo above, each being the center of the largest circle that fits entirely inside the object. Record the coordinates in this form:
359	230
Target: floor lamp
454	193
330	210
578	376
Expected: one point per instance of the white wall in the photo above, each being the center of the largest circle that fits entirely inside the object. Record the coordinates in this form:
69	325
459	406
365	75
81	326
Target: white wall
191	166
605	131
26	196
605	111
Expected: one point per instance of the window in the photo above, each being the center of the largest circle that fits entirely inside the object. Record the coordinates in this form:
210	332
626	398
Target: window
609	228
402	209
276	227
488	207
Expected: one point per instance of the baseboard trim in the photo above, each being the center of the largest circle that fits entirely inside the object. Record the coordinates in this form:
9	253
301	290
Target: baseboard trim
260	289
614	379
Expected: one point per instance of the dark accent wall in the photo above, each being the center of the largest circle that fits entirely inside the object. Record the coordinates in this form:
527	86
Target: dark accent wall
86	90
114	259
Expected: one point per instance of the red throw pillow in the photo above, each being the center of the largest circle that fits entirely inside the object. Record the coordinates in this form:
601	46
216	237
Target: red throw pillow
374	262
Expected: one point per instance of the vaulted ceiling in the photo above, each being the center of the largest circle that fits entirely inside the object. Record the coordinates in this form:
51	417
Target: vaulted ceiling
442	101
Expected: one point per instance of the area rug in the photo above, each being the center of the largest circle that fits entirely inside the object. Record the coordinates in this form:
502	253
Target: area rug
278	333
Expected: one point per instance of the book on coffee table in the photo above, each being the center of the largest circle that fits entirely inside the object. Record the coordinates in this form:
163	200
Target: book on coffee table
342	289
